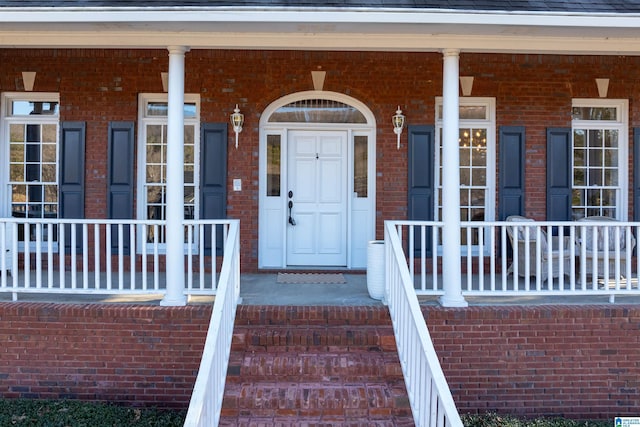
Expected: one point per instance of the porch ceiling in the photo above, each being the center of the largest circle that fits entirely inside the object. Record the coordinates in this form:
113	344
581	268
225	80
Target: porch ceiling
322	29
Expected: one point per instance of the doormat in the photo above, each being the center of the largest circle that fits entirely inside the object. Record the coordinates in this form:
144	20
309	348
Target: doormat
311	278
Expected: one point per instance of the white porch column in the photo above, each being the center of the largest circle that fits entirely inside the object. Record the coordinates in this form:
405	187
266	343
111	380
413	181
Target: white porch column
451	267
175	180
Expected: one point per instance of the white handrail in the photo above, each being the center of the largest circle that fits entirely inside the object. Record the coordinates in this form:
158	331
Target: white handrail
101	256
206	399
429	394
545	258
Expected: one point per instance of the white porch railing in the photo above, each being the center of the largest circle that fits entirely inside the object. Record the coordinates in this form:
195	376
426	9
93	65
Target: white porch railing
542	258
208	391
99	256
429	394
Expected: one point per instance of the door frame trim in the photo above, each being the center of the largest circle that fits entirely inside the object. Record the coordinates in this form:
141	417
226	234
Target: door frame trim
270	235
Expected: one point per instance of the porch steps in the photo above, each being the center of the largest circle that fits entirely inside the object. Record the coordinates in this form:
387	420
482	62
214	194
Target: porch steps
314	366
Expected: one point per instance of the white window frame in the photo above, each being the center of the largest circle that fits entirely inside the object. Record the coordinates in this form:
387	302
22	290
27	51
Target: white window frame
488	123
621	124
143	121
6	119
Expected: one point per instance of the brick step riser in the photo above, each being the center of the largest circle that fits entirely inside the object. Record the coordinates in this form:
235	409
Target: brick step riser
370	401
352	366
290	338
300	316
314	366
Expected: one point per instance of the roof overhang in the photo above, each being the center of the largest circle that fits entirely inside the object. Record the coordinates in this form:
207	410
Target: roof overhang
321	29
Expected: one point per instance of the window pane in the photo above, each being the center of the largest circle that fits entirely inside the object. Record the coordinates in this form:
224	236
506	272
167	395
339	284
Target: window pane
188	174
188	134
360	166
273	165
579	138
157	109
611	177
154	174
579	176
465	177
154	134
16	133
49	153
611	158
49	173
189	157
478	177
317	111
473	112
34	108
49	133
594	113
16	173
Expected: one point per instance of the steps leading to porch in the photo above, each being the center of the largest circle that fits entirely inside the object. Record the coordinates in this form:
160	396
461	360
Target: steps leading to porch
324	365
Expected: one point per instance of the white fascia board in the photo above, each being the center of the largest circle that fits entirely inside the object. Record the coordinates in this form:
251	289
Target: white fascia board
320	15
328	41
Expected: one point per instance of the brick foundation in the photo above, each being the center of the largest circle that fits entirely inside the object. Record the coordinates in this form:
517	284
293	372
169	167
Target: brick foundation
573	361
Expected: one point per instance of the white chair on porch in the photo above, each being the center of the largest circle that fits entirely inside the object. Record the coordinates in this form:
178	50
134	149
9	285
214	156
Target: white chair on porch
596	249
517	237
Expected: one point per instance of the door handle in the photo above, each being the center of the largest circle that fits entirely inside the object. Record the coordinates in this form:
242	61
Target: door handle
291	220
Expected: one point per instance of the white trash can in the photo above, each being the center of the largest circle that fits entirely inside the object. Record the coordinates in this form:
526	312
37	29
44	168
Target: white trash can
375	269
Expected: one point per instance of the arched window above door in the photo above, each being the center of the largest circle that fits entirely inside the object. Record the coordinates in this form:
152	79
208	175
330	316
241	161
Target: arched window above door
317	111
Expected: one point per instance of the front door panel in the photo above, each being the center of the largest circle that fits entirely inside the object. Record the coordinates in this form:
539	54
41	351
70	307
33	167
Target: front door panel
317	182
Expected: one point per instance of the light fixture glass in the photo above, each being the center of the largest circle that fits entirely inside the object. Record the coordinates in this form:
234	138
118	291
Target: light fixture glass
237	120
398	124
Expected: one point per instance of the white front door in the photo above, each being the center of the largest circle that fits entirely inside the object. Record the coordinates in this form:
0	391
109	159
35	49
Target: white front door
317	198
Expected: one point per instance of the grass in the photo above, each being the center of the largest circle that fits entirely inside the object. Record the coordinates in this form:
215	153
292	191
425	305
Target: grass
73	413
495	420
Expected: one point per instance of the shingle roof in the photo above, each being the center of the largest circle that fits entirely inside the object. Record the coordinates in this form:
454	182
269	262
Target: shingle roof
558	6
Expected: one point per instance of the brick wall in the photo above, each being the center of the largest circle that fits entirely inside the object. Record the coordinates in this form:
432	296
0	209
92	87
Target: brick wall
137	355
573	361
535	91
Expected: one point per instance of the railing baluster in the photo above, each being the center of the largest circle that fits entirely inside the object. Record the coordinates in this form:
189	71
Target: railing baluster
96	257
27	256
189	284
143	248
38	252
120	257
108	256
85	256
74	257
132	257
201	257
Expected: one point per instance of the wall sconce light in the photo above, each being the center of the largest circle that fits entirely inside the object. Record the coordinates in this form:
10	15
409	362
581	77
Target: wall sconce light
237	120
398	124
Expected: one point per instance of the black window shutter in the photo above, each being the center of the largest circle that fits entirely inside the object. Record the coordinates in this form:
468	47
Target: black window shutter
511	167
636	174
71	183
421	162
213	179
120	178
559	174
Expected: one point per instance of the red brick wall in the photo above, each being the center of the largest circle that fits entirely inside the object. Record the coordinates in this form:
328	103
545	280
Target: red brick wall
535	91
572	361
137	355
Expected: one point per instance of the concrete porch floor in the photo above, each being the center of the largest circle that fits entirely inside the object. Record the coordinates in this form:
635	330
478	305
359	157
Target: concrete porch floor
263	289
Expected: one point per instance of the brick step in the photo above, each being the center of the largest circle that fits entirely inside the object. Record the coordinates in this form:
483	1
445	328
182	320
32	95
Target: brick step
362	401
353	366
320	338
314	366
327	421
312	315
